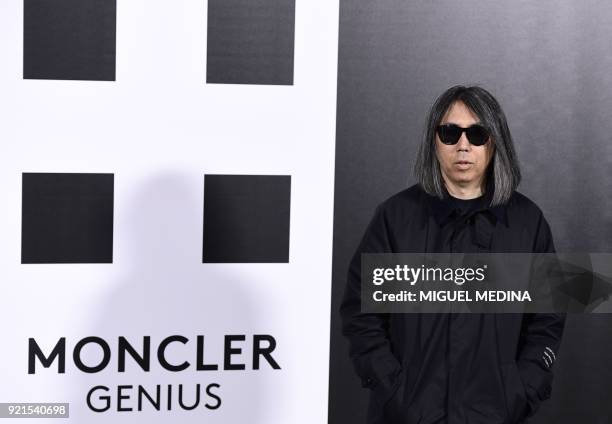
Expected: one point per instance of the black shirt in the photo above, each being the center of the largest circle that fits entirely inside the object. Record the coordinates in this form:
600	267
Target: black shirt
465	206
451	368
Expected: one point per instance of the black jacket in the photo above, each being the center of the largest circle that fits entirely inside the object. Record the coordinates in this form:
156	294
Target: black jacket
451	368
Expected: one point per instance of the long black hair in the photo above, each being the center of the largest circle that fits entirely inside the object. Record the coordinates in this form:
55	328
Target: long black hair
504	168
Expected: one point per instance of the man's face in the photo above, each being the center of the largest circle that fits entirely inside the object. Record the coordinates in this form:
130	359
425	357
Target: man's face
463	164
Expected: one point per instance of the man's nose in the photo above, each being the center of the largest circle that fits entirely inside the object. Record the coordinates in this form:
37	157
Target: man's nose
463	143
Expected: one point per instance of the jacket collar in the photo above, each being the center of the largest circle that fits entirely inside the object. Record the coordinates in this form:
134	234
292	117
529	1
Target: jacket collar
443	209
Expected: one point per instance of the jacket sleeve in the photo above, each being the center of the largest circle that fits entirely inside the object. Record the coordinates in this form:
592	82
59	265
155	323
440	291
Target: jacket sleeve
540	337
367	333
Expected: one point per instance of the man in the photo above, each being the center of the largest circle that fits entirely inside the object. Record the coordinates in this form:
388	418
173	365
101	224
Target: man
455	368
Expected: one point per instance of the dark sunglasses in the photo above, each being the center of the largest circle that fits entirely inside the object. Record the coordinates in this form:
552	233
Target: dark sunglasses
451	133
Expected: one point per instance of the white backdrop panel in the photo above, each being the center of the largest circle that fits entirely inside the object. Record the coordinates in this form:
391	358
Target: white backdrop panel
159	128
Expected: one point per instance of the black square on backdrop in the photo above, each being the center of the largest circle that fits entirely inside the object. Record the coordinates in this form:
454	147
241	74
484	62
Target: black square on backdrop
69	39
67	218
250	42
246	218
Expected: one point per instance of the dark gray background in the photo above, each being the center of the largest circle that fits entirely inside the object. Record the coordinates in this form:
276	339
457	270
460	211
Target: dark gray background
549	64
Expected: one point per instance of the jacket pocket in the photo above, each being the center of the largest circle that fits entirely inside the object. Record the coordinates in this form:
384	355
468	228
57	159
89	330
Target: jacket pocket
399	407
537	382
516	396
385	388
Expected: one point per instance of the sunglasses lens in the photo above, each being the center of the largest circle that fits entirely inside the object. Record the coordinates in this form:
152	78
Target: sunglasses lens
477	135
449	133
